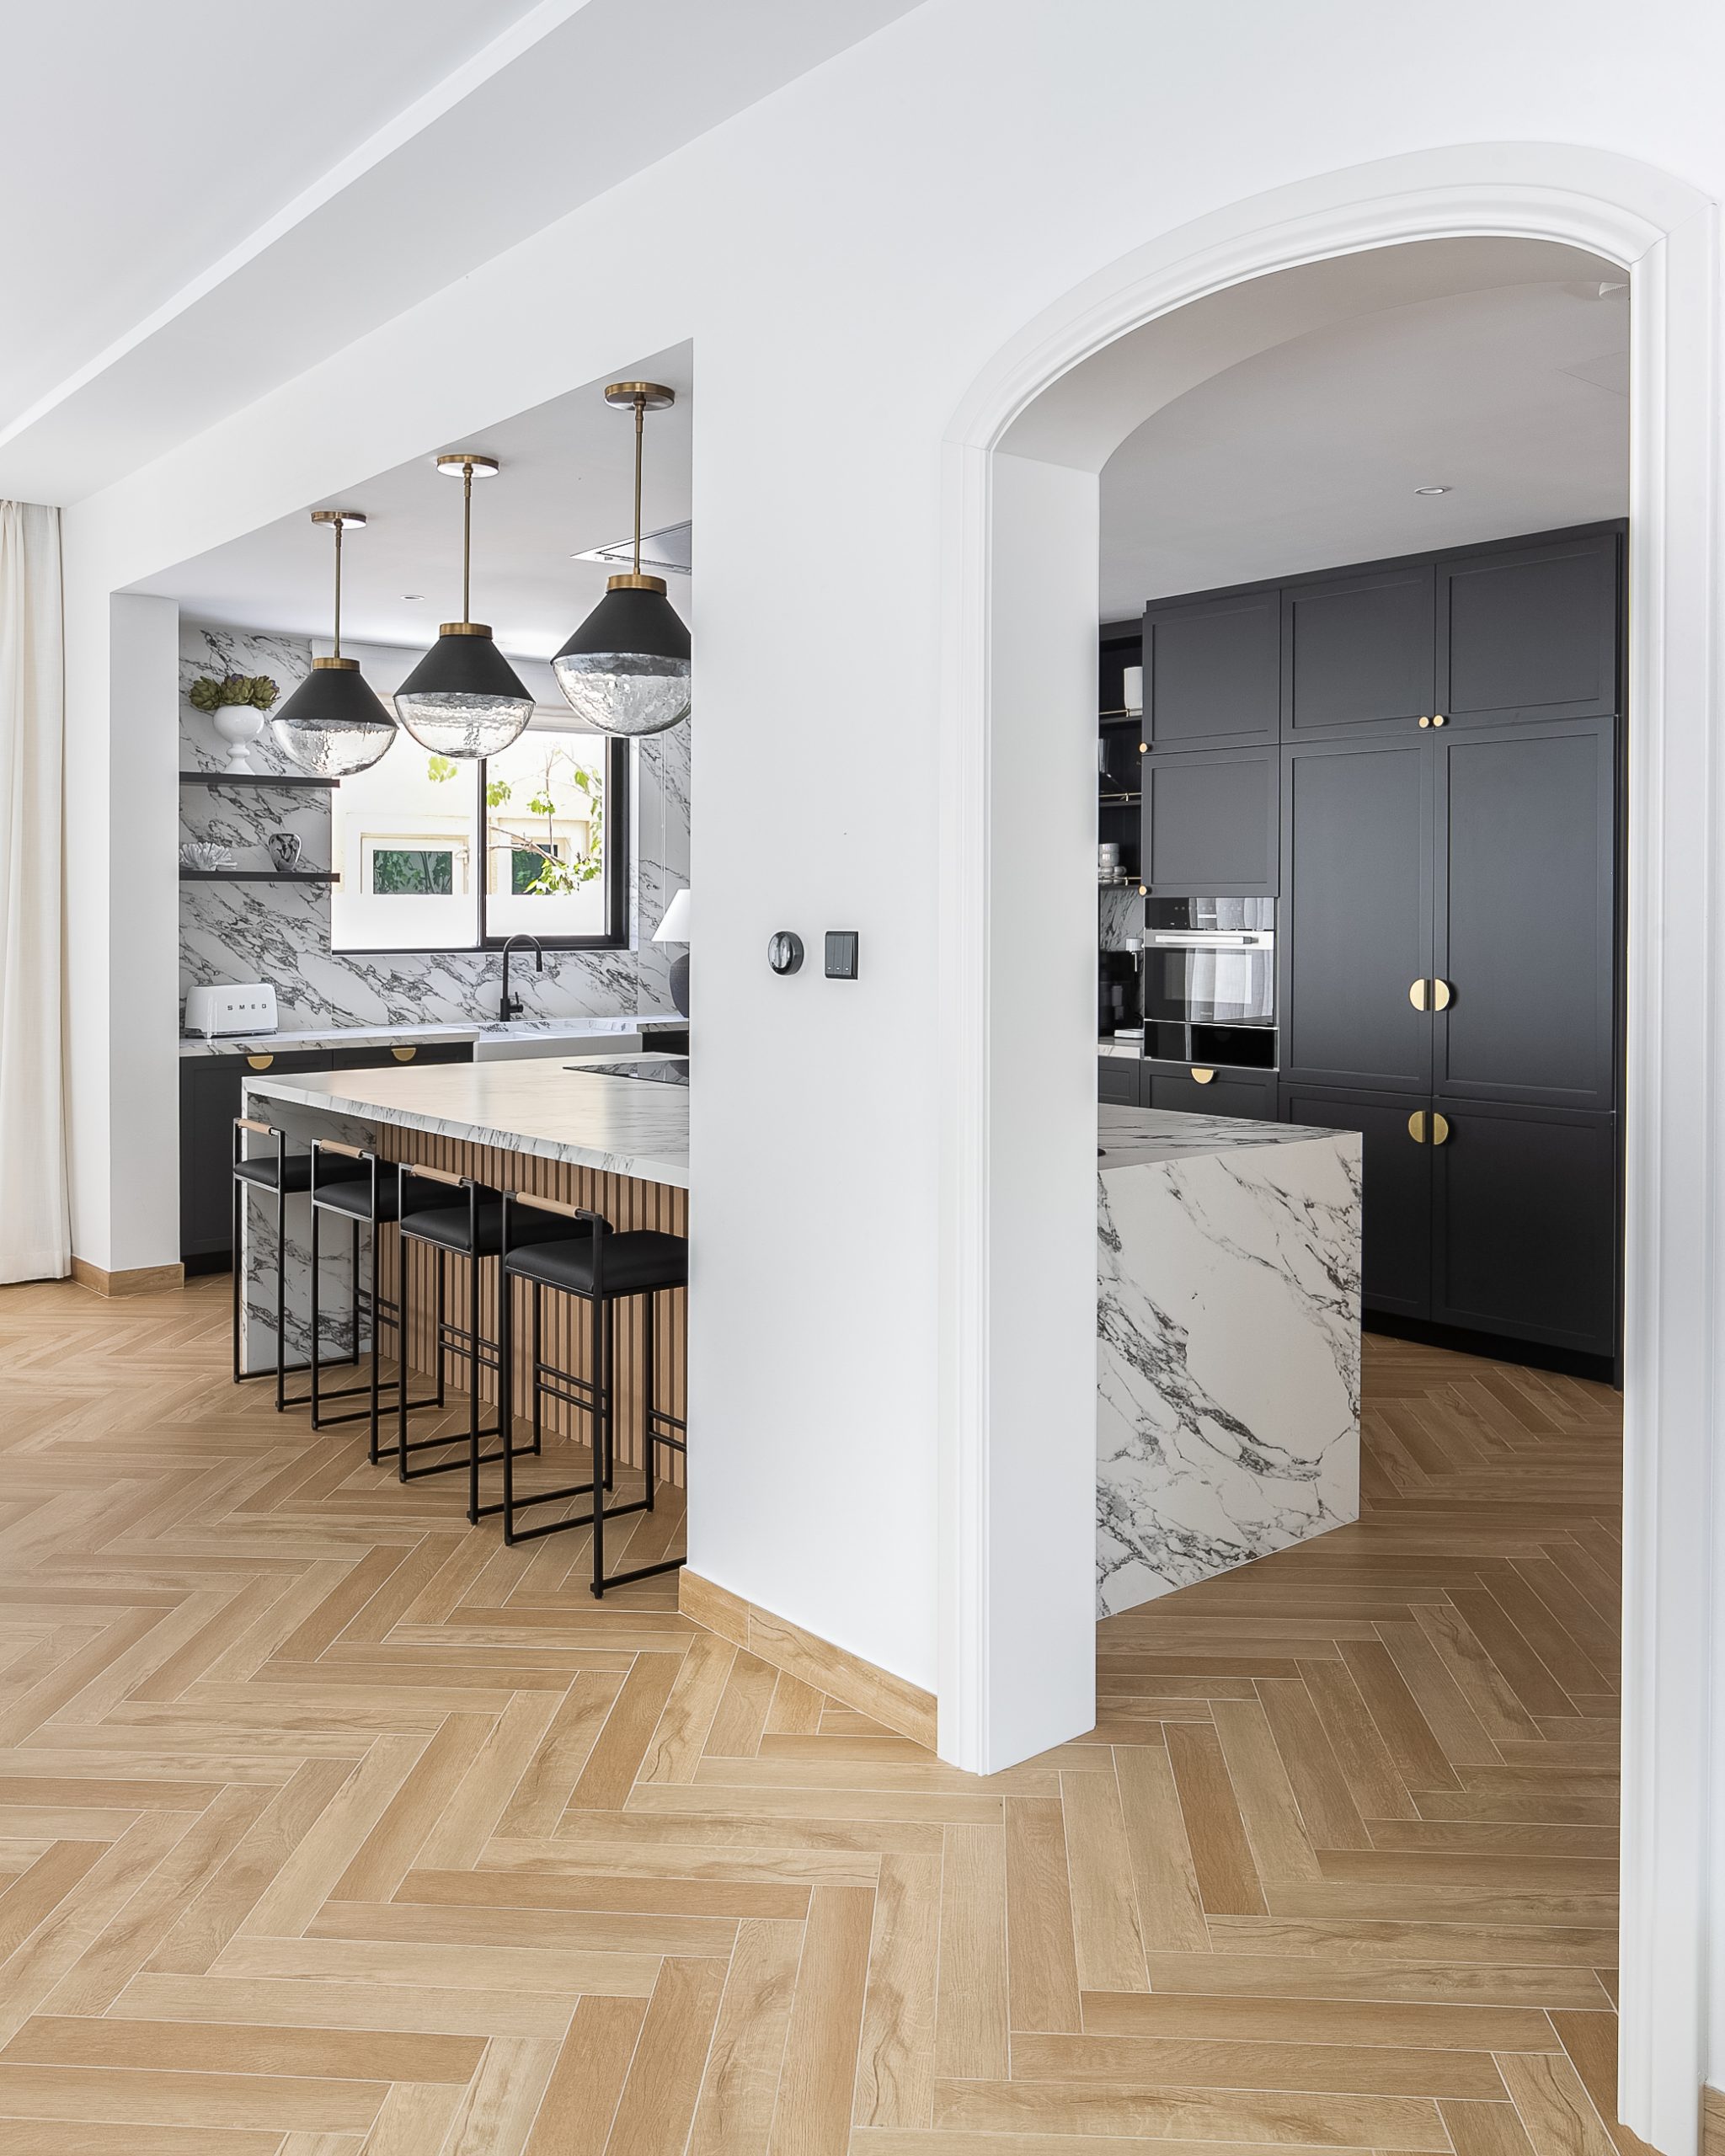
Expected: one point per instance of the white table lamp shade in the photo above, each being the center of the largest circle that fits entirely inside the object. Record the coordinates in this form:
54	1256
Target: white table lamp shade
675	927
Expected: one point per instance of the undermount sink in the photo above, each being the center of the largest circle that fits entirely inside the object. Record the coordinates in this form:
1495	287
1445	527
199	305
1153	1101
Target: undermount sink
535	1037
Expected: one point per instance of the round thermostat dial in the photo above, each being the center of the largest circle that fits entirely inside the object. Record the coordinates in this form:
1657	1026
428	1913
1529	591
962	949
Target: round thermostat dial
784	953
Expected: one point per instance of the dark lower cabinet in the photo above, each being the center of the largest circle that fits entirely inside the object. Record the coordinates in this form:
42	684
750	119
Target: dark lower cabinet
1117	1080
1210	824
1524	1218
1248	1093
210	1089
1396	1258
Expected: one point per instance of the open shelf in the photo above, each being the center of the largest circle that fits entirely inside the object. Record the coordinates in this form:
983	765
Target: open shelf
260	876
255	778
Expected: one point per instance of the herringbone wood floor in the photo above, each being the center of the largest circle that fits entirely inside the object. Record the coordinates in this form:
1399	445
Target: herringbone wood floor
327	1824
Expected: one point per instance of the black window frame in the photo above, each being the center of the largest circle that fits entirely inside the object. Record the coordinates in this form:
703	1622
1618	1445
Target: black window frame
618	872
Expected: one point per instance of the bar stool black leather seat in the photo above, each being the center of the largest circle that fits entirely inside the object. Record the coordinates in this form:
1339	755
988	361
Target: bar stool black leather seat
366	1195
591	1260
282	1174
469	1226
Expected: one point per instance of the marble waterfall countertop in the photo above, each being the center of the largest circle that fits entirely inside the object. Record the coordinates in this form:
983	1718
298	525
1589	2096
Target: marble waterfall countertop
1228	1344
538	1105
287	1044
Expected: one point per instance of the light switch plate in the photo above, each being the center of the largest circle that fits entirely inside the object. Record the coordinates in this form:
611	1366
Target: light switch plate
841	953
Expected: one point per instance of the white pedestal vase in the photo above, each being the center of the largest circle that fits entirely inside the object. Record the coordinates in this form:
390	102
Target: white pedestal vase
239	725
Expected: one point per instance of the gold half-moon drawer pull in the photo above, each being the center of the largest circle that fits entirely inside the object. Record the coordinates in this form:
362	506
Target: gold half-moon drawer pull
1443	996
1201	1077
404	1054
1440	1128
1416	995
260	1062
1416	1126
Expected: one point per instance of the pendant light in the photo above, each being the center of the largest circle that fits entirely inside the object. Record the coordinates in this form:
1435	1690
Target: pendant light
464	698
626	669
333	725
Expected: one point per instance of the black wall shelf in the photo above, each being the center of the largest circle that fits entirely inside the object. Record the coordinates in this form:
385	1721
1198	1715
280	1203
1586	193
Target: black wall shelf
256	778
258	876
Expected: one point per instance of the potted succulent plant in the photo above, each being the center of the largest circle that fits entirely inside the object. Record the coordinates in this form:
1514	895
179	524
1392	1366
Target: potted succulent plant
235	704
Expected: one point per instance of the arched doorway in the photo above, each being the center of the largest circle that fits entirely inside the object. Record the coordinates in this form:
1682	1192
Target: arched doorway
1022	459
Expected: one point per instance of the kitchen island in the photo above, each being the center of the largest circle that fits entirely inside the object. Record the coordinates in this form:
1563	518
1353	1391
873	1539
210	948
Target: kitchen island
614	1137
1228	1344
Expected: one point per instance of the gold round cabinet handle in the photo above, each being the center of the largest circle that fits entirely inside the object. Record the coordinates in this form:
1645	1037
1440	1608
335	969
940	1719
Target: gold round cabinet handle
1200	1077
1440	1129
1144	748
1416	995
1416	1126
1443	996
1144	890
1425	722
404	1054
260	1062
1439	719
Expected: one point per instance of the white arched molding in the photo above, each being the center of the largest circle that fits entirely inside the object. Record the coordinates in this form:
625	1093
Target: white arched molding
1017	1069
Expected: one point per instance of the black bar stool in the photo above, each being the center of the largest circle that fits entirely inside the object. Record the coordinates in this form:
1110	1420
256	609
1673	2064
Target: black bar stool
590	1260
469	1226
365	1196
285	1174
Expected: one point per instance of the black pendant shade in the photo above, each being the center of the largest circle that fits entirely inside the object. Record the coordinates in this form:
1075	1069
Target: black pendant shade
643	623
334	724
460	663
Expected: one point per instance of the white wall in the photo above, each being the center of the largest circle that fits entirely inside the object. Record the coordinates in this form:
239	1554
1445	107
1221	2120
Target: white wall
848	256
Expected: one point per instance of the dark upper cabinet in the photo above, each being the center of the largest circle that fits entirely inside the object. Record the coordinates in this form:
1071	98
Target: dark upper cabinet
1529	632
1359	650
1355	929
1525	1233
1526	901
1210	824
1212	670
1396	1270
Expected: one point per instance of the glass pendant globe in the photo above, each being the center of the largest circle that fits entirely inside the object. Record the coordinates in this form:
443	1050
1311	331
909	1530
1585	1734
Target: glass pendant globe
452	723
333	725
624	691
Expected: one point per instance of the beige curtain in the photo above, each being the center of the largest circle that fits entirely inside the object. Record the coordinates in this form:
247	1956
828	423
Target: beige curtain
34	1234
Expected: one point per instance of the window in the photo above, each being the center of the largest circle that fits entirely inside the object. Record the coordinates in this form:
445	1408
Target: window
445	856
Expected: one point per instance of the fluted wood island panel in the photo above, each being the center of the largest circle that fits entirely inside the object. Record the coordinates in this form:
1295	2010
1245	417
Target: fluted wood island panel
584	1135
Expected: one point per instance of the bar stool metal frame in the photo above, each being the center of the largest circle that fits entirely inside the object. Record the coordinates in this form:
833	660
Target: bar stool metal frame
466	1340
596	1396
277	1186
382	1310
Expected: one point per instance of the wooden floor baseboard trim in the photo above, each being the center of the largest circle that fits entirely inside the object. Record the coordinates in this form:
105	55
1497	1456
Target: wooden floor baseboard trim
891	1700
140	1280
1712	2120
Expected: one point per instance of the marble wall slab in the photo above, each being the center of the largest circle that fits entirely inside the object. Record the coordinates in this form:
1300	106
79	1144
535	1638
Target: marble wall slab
280	932
1228	1360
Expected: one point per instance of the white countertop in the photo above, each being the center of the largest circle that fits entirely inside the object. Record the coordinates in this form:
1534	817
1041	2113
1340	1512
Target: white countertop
1137	1137
289	1044
623	1126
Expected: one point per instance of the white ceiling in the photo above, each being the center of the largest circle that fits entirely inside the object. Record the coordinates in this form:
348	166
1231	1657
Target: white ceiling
207	198
566	484
1307	454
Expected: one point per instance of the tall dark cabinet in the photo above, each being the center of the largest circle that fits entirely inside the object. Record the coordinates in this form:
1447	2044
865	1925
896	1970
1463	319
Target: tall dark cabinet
1442	834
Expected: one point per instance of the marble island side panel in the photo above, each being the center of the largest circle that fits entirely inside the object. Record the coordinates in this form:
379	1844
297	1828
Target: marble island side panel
1228	1349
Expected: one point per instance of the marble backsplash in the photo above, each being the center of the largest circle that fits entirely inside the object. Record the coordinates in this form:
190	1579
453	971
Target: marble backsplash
280	933
1120	914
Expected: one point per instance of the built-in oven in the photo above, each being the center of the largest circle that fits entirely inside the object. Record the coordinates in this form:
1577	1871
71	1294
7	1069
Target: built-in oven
1209	980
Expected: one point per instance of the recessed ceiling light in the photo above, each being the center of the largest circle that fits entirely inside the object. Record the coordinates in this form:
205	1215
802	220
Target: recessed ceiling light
1431	490
413	594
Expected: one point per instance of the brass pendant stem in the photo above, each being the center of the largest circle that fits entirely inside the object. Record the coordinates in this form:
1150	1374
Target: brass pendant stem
640	429
466	539
337	587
